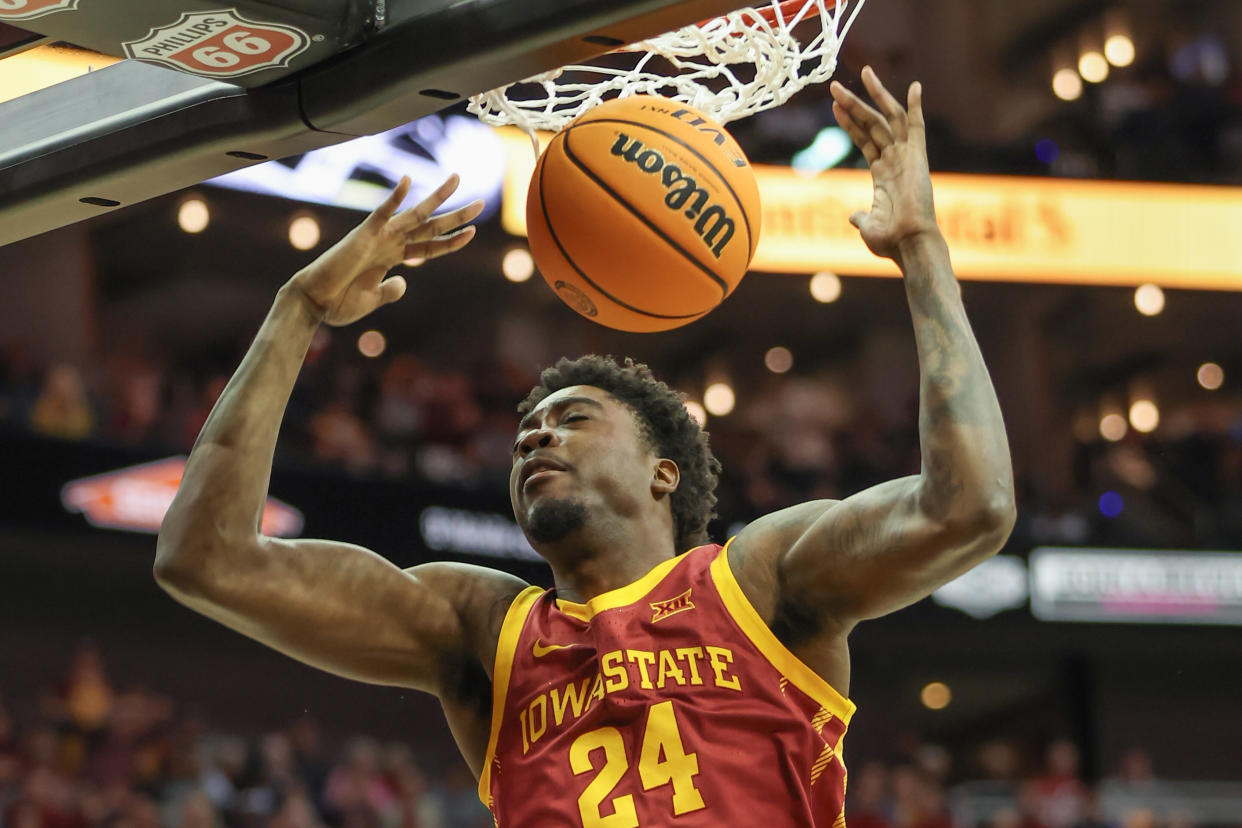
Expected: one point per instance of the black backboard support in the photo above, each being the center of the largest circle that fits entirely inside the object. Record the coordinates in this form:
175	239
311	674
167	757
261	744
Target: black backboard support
135	130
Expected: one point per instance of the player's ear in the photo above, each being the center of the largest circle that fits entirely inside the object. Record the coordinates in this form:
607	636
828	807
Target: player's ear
665	477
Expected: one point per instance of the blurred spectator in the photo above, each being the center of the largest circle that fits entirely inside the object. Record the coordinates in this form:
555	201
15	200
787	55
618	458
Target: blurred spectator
84	699
62	408
1059	793
340	437
1134	792
868	803
135	385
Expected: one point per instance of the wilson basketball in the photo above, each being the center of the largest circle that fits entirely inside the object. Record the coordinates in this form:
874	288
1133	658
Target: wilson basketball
643	214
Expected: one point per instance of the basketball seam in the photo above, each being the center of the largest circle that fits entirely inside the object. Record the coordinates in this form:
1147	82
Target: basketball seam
685	254
565	253
724	181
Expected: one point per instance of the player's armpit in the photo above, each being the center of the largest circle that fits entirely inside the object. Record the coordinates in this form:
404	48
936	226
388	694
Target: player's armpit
343	608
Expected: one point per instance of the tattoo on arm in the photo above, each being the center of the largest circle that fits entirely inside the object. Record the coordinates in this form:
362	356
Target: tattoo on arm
961	431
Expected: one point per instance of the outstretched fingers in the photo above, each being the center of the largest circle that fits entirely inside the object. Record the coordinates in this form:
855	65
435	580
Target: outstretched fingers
857	134
388	207
442	224
872	125
918	124
440	245
416	216
897	120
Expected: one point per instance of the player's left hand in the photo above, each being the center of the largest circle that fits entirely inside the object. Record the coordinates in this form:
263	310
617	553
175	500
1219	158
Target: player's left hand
348	281
894	142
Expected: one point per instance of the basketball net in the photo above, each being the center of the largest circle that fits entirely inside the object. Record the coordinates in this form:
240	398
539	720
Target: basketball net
698	65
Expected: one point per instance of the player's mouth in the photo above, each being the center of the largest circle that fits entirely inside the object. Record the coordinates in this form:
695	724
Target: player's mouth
538	469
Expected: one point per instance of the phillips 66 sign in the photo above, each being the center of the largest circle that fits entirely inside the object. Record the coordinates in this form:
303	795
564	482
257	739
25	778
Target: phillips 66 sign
219	44
30	9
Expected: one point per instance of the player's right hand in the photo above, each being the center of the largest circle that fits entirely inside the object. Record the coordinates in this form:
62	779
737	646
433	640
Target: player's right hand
347	282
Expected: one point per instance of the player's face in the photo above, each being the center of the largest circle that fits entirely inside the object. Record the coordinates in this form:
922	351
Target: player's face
578	453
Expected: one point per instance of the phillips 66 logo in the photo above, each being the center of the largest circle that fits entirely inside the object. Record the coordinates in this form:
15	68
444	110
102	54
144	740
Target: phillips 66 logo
219	44
29	9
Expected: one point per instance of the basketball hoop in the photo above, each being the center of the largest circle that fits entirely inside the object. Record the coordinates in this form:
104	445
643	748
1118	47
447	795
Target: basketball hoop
728	67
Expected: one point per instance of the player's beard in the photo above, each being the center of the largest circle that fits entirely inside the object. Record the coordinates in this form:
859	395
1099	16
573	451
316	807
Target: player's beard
552	520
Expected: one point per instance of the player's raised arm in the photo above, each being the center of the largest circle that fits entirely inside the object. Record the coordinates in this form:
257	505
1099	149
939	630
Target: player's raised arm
890	545
336	606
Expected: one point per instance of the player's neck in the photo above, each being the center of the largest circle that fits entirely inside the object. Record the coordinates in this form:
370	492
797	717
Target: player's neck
588	563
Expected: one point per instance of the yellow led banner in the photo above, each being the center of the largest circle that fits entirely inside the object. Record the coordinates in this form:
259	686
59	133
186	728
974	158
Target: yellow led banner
999	228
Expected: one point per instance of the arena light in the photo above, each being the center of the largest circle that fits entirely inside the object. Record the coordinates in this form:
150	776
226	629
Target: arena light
1119	49
518	265
304	232
193	216
1110	504
718	399
778	360
697	412
1093	67
1113	427
371	344
1210	376
825	287
1149	299
359	174
935	695
831	146
1067	85
1144	416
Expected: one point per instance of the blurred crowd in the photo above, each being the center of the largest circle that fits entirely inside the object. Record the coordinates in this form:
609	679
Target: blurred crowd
397	416
1174	115
1004	787
91	752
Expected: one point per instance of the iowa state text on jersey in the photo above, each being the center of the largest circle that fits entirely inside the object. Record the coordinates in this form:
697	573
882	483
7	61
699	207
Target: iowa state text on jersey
665	702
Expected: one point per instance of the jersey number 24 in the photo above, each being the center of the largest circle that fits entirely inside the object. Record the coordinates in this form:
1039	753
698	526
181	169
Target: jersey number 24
662	760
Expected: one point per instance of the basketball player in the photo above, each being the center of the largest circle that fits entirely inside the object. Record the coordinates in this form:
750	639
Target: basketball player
649	688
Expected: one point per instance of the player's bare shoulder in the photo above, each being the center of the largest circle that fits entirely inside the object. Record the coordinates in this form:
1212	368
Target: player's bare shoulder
481	596
755	553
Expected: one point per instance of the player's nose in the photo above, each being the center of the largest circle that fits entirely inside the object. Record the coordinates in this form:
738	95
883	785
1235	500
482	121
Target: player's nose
536	438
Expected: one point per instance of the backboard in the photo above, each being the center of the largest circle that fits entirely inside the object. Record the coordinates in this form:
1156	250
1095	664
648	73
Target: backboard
206	89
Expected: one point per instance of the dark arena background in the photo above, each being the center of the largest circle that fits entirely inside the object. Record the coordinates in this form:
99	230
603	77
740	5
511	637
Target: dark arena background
1090	676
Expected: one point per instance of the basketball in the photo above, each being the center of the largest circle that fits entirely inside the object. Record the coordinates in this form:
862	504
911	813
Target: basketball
643	214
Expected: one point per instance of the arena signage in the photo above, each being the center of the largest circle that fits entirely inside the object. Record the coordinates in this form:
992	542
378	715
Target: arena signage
474	533
1000	228
136	499
30	9
1134	585
219	44
996	585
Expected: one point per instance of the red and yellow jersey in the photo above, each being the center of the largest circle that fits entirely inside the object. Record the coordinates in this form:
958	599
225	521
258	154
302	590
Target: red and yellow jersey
667	702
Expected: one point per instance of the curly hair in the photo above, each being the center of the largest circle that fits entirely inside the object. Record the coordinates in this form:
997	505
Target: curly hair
667	427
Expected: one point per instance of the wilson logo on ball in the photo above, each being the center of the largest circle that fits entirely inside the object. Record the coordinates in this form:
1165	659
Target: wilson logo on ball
694	119
219	44
682	190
